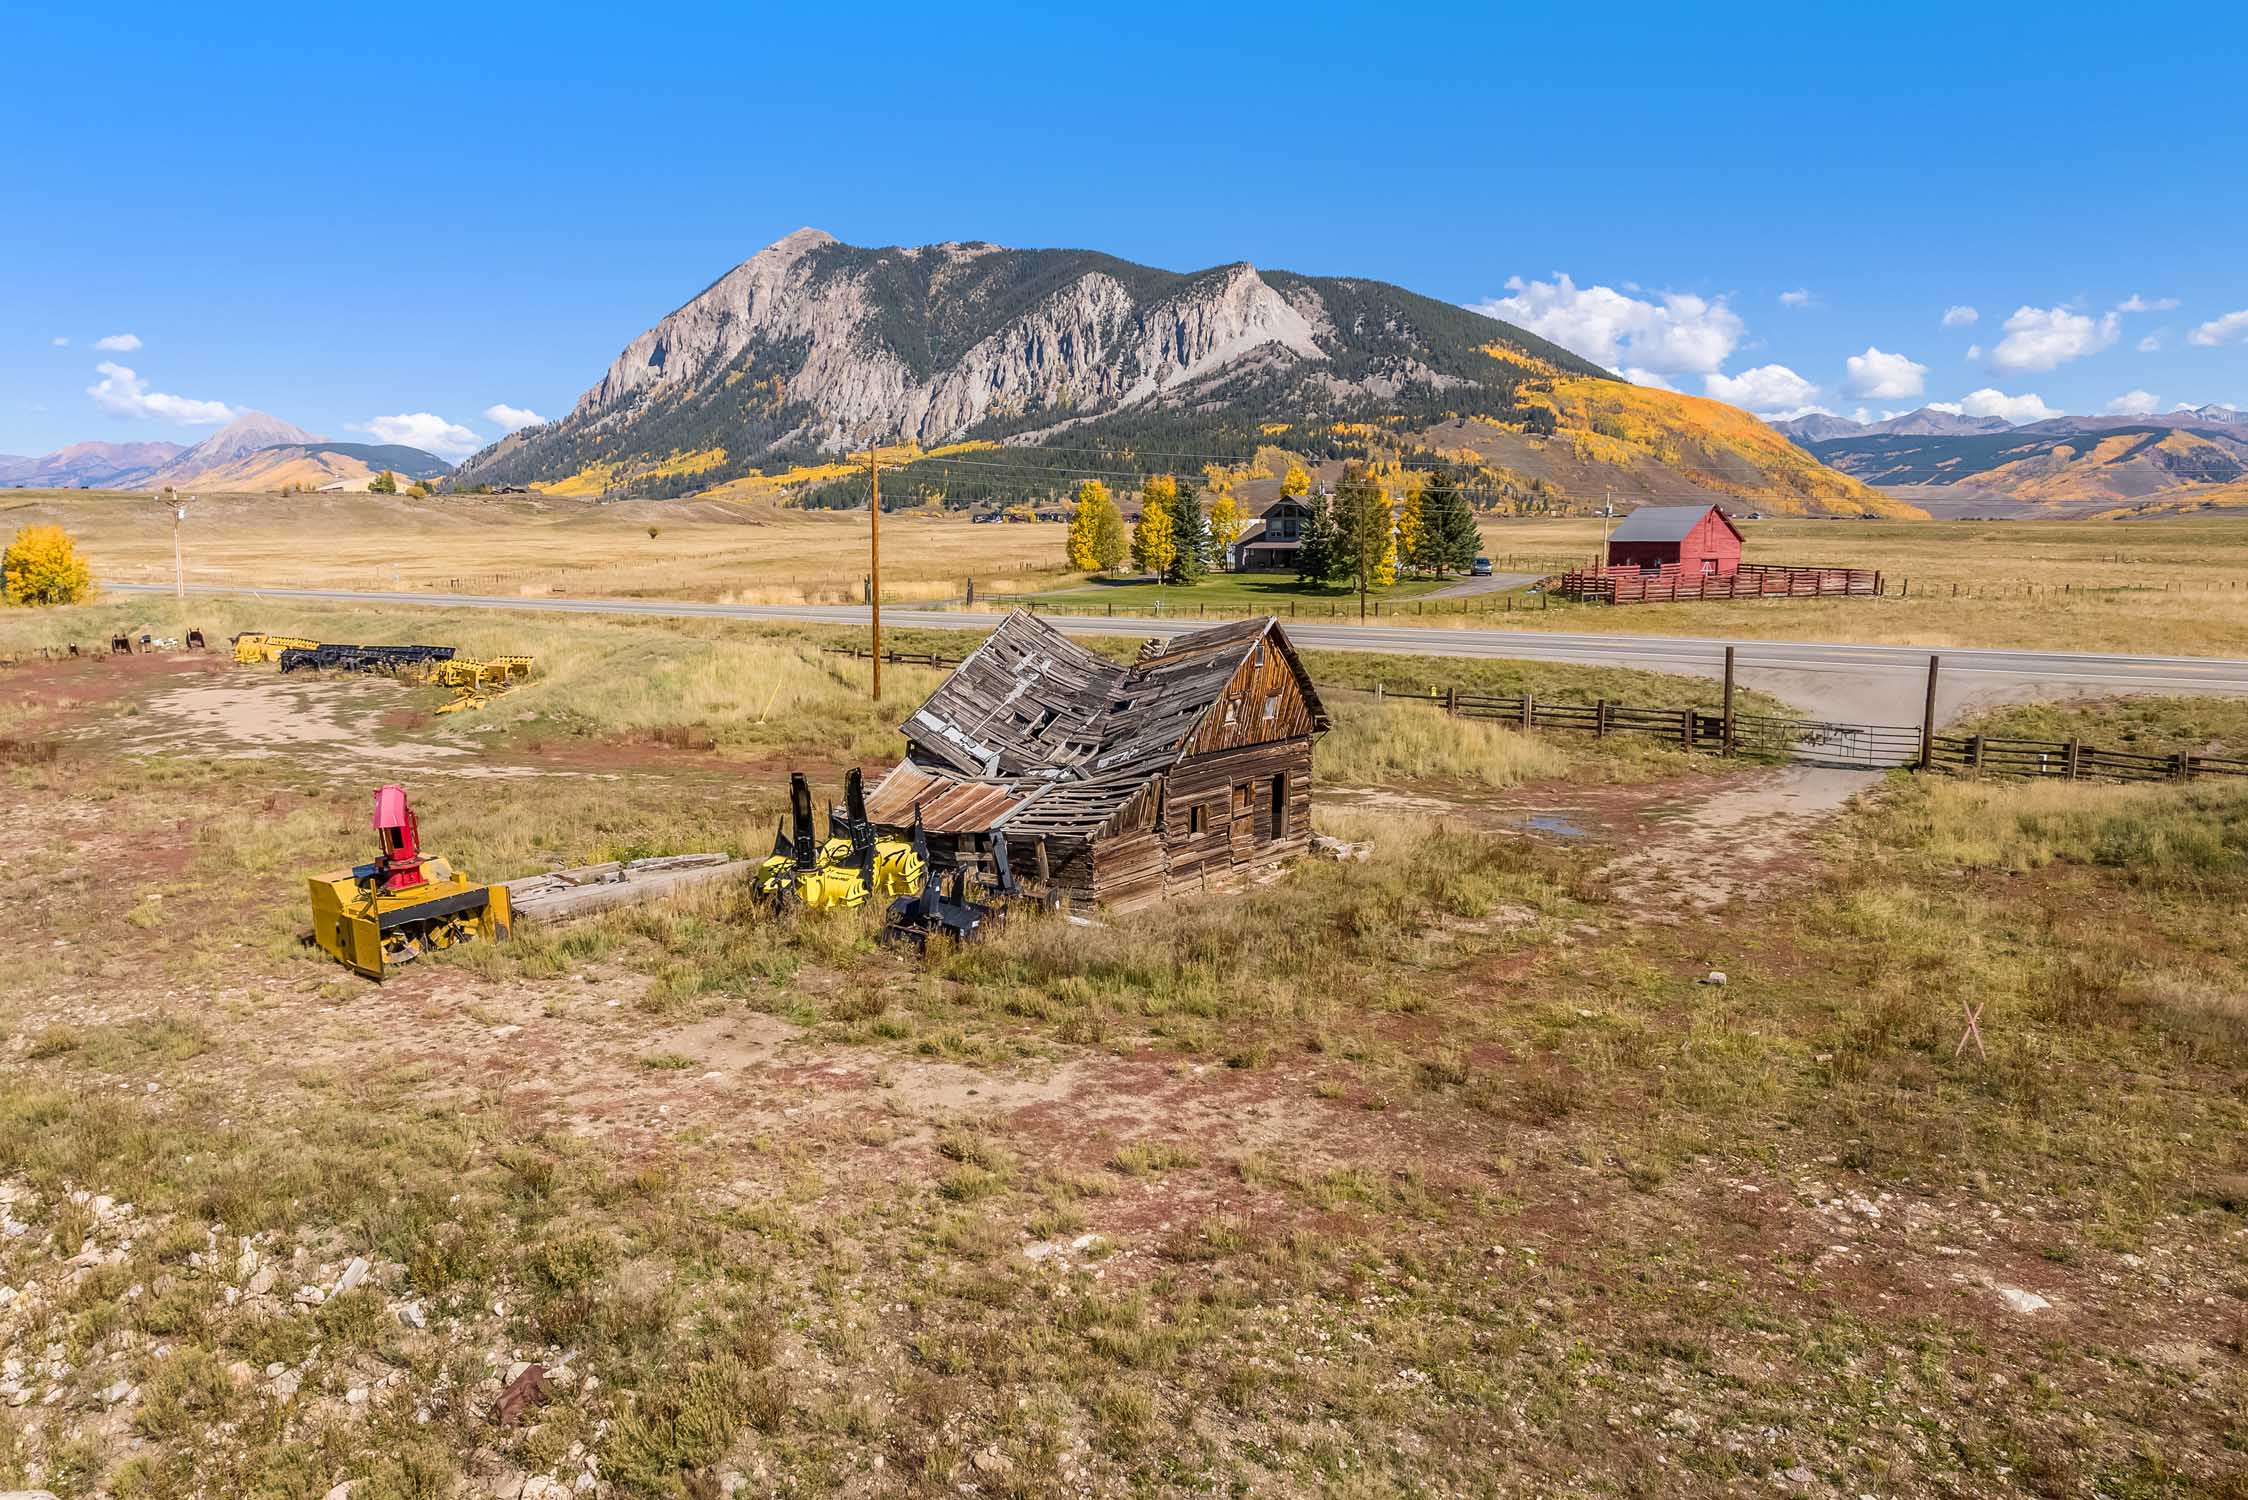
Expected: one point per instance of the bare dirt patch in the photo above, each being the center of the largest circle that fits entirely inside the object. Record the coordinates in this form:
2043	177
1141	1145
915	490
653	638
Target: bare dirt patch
1733	844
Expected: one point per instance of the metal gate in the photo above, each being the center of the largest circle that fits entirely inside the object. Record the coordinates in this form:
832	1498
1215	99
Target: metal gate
1815	742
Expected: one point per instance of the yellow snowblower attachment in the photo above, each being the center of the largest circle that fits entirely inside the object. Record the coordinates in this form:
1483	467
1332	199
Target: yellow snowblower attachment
850	865
373	917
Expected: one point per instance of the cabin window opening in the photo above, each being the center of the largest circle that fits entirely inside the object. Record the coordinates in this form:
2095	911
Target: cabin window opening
1272	708
1194	821
1280	806
1243	796
1232	713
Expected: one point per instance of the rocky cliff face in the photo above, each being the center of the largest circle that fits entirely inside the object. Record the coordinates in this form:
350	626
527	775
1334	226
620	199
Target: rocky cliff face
814	347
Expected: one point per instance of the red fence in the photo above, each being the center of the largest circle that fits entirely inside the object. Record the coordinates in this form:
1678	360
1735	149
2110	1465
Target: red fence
1752	581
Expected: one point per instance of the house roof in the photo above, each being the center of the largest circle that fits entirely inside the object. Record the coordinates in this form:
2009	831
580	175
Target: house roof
1022	809
1665	523
1030	704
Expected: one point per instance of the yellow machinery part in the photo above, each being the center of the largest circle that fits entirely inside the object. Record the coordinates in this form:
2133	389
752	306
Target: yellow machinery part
836	880
372	930
252	648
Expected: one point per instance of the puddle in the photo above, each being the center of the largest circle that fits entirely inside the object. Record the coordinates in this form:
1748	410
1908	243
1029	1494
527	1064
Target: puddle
1559	827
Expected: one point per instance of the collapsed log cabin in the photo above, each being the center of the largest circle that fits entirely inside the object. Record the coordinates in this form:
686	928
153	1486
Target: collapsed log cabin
1186	770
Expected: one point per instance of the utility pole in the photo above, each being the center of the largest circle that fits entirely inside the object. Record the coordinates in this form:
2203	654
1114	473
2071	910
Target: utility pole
874	573
179	568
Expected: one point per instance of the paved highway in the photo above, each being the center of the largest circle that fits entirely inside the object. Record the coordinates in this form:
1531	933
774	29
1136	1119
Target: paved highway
1860	684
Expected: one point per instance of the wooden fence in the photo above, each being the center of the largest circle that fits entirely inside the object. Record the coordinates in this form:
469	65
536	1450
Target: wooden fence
1671	584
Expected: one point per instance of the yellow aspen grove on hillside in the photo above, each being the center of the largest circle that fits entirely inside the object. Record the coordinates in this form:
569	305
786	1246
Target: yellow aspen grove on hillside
1225	524
1153	544
42	566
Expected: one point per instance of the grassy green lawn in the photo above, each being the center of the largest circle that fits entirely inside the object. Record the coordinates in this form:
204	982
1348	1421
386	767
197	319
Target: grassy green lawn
1270	592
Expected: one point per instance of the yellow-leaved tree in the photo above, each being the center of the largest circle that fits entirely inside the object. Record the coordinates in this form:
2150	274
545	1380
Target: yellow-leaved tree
1091	496
1154	544
42	566
1296	484
1406	544
1225	525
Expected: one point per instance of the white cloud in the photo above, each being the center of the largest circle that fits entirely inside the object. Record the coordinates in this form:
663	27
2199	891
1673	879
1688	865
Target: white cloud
2137	303
2232	328
1974	352
127	395
2041	338
1638	376
122	343
1765	389
1959	315
2150	343
58	342
509	418
1995	403
2131	404
1800	297
1886	377
424	430
1680	334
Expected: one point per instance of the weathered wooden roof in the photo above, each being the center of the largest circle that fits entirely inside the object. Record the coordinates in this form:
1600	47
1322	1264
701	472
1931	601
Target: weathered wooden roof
1022	809
1031	704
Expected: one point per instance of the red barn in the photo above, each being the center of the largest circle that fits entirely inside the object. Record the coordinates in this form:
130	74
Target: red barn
1692	541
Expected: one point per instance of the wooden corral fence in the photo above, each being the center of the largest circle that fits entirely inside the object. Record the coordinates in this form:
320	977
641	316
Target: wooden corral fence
1671	585
2073	760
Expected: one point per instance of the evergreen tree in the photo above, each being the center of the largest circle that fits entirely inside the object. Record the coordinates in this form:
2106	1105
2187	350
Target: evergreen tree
1190	541
1366	529
1448	537
1320	554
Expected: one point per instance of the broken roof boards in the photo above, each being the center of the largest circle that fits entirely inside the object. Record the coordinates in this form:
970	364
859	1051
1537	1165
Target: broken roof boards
1202	745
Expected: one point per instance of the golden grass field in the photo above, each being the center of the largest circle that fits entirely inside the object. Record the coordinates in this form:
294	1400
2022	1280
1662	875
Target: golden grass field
2173	586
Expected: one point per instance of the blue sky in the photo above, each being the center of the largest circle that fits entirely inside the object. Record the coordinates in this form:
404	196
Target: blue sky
403	222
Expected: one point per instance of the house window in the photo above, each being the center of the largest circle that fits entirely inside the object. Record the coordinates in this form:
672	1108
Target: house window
1709	567
1241	798
1232	713
1279	806
1272	708
1194	821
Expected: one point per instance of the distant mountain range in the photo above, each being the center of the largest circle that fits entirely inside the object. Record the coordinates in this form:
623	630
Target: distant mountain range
1070	360
254	453
2091	465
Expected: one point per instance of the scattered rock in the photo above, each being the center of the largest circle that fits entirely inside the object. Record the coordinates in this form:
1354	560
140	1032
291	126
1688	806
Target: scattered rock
541	1487
285	1385
1089	1242
341	1491
1715	977
2021	1301
1323	846
992	1461
242	1374
116	1393
411	1314
262	1283
352	1275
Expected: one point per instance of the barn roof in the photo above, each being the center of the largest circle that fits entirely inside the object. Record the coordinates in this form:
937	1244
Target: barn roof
1665	523
1029	702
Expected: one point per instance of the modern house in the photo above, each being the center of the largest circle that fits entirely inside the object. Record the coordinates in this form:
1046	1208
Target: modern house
1274	541
1689	540
1186	770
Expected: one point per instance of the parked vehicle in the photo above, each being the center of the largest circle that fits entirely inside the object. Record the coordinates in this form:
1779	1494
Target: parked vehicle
1481	568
